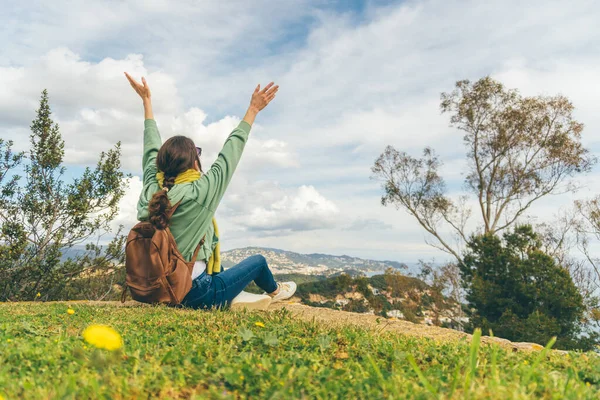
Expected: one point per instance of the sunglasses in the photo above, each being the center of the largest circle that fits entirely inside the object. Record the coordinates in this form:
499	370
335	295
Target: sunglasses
199	151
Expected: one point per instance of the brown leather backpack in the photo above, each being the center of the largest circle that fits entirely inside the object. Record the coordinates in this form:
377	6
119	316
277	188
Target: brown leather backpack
156	270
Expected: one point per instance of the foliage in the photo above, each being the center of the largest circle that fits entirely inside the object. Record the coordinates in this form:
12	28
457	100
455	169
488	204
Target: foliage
41	215
399	284
329	287
298	278
518	150
102	273
171	353
520	293
379	294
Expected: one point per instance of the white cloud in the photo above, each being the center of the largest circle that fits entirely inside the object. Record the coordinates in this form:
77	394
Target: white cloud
350	84
303	210
368	224
95	108
90	101
258	153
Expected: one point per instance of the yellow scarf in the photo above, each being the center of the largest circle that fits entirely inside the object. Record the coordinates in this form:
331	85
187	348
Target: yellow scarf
214	263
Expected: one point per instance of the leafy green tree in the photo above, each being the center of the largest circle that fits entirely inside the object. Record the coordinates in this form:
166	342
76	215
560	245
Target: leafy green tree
520	292
41	215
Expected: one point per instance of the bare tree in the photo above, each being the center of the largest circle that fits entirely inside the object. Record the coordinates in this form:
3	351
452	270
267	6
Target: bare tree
518	150
587	231
562	239
446	280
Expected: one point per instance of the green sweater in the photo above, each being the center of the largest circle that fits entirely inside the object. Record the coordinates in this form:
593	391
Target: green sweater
199	199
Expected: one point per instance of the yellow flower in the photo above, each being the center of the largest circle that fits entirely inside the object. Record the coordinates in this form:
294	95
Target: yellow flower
103	337
8	340
38	294
260	324
70	311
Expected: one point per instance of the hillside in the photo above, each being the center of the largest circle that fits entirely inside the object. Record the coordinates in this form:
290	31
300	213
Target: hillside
284	262
390	295
290	353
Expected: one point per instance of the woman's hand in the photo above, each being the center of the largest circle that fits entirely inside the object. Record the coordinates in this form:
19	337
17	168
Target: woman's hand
260	99
143	90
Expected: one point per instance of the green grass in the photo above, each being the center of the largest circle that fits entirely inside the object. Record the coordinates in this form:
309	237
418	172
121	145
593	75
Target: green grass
175	353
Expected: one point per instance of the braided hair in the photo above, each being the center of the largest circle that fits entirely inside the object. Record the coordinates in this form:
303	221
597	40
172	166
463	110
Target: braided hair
175	156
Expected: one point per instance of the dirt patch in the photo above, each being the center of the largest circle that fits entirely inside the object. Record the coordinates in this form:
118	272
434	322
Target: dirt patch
337	318
316	298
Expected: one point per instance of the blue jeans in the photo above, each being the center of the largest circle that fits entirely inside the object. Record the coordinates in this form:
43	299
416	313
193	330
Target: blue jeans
218	290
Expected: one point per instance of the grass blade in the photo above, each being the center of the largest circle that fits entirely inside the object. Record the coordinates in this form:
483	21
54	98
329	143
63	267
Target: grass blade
494	360
475	342
422	378
375	368
537	361
454	381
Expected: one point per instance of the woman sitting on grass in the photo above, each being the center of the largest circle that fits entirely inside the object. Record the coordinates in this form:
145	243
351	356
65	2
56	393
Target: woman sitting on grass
173	174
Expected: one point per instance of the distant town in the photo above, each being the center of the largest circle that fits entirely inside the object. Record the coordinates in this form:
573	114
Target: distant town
286	262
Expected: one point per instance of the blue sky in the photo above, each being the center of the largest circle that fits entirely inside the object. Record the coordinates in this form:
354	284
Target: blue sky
354	75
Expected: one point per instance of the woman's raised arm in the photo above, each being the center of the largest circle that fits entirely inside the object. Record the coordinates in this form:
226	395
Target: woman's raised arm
152	143
217	178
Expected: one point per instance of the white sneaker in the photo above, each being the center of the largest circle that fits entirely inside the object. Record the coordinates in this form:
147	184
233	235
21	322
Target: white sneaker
286	290
250	301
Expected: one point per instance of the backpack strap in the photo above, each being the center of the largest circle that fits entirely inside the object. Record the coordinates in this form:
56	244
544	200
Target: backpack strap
124	293
173	208
198	248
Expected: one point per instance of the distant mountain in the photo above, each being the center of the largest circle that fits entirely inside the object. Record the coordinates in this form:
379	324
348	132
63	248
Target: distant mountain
73	252
285	262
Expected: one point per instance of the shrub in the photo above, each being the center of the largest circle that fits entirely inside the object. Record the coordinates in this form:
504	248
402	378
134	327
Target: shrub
520	293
